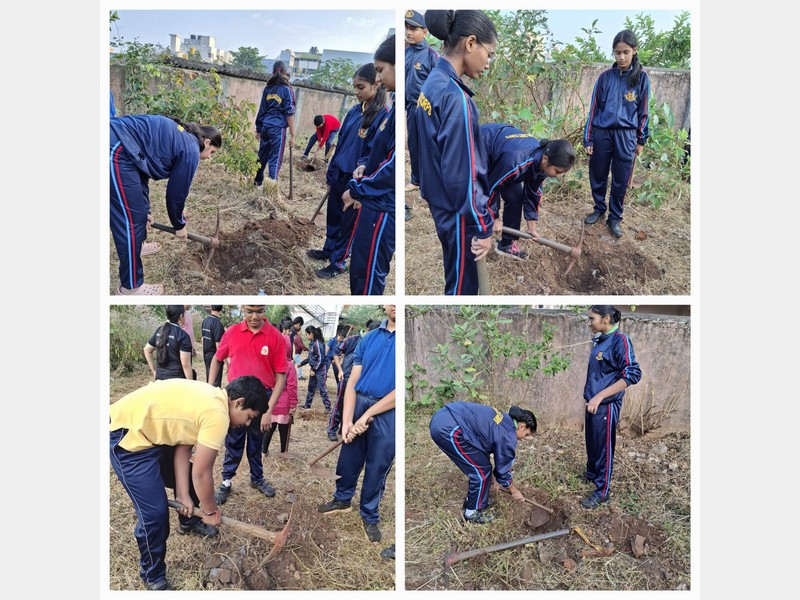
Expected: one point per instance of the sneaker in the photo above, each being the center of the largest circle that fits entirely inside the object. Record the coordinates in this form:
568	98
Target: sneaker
593	218
334	506
510	251
333	437
199	528
479	516
388	552
318	254
616	230
594	500
408	214
263	487
372	531
158	586
329	272
221	495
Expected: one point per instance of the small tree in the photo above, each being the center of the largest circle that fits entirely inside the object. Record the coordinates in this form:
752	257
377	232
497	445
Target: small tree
248	57
337	72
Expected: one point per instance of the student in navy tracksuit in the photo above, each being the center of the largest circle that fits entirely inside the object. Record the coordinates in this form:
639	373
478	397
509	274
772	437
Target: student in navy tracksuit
372	190
468	433
420	59
616	129
145	147
319	369
355	141
275	116
452	162
612	368
368	426
518	165
331	350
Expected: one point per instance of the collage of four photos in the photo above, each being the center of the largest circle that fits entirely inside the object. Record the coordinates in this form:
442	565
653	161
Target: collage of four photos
265	434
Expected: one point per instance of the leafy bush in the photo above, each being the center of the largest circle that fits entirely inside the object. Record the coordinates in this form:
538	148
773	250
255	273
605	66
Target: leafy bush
130	328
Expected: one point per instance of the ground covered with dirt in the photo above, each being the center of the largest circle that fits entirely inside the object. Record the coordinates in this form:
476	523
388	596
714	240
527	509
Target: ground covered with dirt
651	258
638	541
263	234
323	552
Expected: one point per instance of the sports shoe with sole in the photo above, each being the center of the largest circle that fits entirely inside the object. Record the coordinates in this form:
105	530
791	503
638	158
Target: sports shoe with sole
318	254
511	251
329	272
158	586
479	516
388	552
594	500
334	506
221	495
333	437
199	528
372	531
263	487
593	218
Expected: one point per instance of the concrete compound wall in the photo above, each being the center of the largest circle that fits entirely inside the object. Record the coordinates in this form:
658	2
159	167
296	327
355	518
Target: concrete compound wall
661	344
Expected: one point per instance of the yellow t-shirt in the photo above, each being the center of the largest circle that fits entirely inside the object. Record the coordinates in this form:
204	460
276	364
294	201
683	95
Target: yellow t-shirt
172	412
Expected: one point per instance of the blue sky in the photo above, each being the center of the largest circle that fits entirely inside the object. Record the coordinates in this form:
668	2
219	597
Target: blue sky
268	30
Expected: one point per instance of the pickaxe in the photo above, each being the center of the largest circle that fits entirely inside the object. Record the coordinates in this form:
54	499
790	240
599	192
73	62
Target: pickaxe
573	251
212	242
278	540
320	205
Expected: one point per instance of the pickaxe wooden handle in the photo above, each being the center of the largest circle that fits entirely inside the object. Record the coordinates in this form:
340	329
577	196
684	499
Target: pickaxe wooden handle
573	251
484	284
320	205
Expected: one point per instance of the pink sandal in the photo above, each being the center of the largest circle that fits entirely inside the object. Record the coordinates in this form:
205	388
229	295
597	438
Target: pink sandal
146	289
149	248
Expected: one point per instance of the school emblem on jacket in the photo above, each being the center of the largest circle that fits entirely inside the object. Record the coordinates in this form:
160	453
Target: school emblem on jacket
275	97
383	125
498	416
265	350
362	133
409	14
630	96
418	66
599	356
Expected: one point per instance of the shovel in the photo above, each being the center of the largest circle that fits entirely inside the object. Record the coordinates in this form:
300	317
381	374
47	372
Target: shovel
212	243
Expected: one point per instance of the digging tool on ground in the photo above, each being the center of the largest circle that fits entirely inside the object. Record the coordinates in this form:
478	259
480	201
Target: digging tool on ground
278	540
212	243
484	285
454	558
320	205
319	469
288	455
573	251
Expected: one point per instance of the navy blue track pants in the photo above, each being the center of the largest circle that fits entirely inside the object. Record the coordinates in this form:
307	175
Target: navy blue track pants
614	149
240	439
270	151
372	252
413	142
318	382
372	451
346	237
335	419
334	213
601	439
474	462
460	270
512	195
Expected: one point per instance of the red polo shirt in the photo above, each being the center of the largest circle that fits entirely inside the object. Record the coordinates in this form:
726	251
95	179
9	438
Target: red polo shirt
324	132
261	354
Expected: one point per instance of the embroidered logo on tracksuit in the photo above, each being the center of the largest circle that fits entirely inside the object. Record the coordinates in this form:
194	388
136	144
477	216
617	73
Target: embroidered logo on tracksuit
631	96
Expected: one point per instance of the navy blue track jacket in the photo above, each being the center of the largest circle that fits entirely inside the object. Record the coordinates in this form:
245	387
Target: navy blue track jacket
161	149
513	156
354	142
420	60
610	360
614	105
347	349
277	104
452	161
376	187
316	355
490	430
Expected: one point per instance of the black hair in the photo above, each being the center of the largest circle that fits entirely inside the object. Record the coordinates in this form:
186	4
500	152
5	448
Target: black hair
523	415
368	73
316	333
373	325
452	25
202	133
216	307
298	321
626	36
285	324
251	389
559	153
279	75
174	313
319	120
607	309
342	330
385	51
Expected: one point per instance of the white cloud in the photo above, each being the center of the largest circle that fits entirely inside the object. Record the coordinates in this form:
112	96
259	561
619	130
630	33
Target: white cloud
359	23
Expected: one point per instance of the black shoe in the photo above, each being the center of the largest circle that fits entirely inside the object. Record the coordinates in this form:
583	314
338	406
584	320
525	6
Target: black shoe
616	230
408	214
158	586
510	251
329	272
593	218
479	516
594	500
257	183
263	487
372	531
318	254
199	528
388	552
221	495
333	437
334	506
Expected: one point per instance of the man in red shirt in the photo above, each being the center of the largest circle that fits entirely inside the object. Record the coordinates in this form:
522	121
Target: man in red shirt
254	347
327	128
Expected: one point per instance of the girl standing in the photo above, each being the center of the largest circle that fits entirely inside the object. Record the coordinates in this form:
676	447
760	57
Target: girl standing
452	166
275	116
468	433
373	238
319	372
145	147
284	409
616	129
612	368
518	165
355	141
171	347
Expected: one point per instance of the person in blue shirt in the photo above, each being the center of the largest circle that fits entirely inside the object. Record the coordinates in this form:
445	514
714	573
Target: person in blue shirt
318	376
372	190
368	426
355	142
452	163
616	129
275	116
612	368
518	165
468	433
420	59
144	147
331	350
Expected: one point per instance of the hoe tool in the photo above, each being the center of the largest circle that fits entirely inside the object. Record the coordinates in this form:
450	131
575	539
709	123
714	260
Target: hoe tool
322	471
573	251
211	243
278	540
320	205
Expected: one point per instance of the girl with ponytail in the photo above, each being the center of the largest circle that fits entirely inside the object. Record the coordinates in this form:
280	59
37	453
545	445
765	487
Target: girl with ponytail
616	129
275	116
168	352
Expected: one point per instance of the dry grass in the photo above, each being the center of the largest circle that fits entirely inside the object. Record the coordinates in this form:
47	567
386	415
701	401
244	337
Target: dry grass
323	552
650	498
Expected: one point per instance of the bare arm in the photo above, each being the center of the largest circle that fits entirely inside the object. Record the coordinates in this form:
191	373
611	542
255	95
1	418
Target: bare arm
203	479
183	454
186	363
213	369
280	383
148	356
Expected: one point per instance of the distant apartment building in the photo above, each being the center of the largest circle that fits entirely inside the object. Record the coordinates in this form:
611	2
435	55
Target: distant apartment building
203	47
